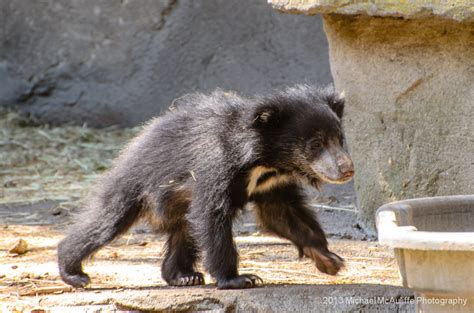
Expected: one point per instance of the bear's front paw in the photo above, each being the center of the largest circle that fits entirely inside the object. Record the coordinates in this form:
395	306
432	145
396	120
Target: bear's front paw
189	279
327	262
239	282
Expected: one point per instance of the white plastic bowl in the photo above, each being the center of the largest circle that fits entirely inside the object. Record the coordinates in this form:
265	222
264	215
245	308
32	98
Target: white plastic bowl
433	240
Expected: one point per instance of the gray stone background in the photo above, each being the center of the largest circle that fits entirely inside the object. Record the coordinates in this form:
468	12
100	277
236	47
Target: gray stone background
120	62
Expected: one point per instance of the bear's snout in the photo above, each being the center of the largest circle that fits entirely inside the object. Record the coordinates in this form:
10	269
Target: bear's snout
346	167
333	165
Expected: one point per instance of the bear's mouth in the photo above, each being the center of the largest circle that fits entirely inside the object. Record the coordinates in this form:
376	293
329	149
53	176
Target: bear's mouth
329	180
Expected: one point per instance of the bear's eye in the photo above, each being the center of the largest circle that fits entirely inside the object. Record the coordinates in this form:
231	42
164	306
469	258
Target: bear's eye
314	144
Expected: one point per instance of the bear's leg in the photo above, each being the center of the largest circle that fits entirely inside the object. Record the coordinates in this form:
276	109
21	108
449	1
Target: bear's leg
213	229
283	211
181	254
94	229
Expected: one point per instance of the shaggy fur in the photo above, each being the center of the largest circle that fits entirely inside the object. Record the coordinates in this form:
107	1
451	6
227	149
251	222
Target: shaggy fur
191	170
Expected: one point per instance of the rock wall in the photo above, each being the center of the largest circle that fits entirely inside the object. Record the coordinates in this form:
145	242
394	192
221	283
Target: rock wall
410	112
121	62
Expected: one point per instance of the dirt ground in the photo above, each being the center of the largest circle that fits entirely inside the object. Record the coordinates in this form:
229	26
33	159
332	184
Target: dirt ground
133	263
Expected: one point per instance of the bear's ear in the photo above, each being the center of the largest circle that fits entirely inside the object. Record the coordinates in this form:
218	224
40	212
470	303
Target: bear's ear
336	103
265	116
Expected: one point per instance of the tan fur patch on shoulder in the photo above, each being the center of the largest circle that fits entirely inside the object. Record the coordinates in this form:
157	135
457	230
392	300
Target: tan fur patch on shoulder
270	183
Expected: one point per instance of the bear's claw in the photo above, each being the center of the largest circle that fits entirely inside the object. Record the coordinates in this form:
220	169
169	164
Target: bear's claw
189	279
241	281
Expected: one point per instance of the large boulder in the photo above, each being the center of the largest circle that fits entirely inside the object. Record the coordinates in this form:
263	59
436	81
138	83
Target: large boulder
121	62
410	89
410	85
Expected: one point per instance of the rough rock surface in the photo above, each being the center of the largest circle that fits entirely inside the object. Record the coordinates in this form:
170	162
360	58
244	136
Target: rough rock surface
121	62
459	10
410	85
410	89
286	298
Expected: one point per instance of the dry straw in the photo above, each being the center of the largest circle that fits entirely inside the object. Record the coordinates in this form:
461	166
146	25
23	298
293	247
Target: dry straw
40	162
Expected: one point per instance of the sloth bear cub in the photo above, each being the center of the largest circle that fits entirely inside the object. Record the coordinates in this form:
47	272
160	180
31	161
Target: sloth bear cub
190	172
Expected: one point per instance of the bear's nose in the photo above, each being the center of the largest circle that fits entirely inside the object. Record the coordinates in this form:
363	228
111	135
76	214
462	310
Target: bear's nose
346	168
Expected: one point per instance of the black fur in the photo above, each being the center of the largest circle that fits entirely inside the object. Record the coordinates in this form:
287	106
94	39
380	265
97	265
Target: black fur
187	174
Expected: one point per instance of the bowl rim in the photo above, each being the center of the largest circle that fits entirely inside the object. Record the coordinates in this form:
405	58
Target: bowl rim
395	230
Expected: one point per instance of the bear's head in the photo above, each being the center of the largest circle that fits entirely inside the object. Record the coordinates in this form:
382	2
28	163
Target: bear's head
300	131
